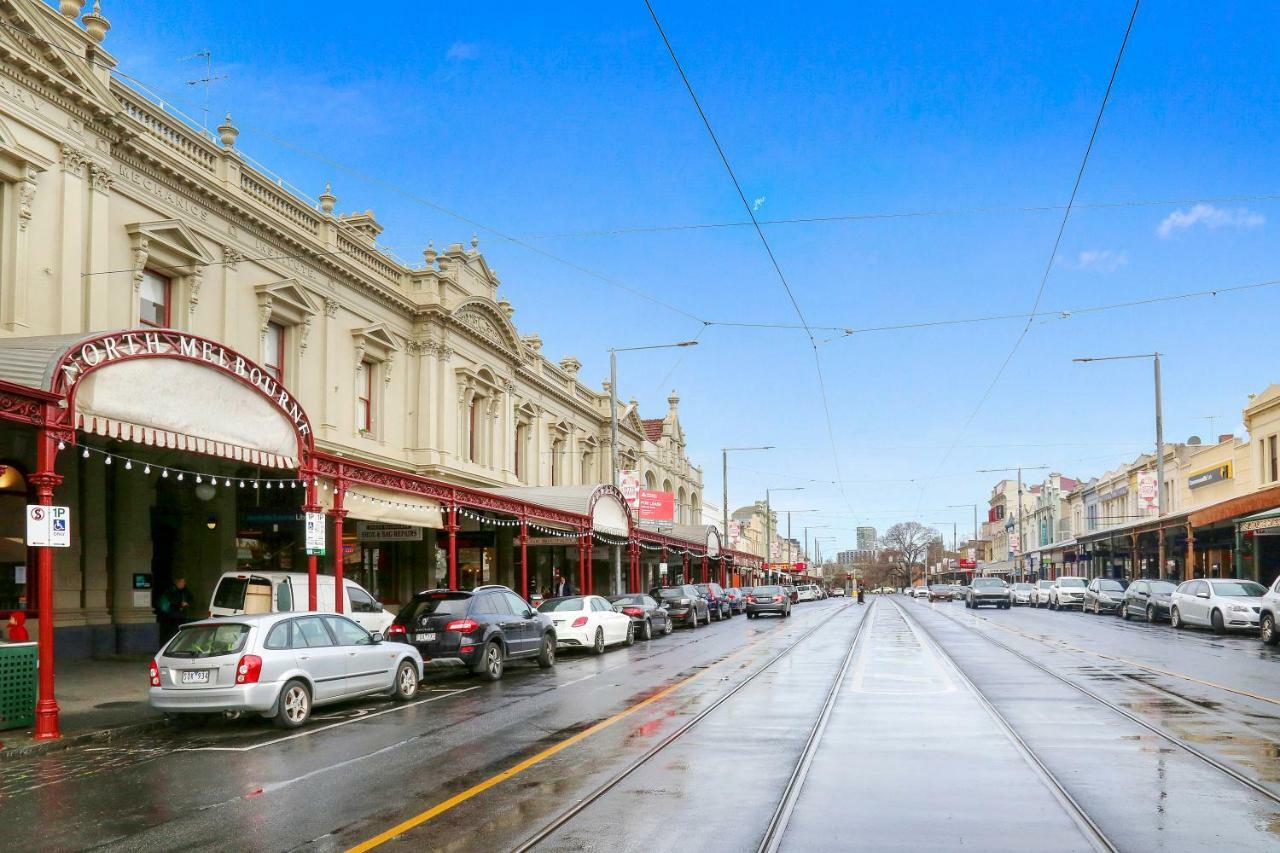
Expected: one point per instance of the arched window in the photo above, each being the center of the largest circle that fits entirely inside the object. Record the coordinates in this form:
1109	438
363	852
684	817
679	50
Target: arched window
650	481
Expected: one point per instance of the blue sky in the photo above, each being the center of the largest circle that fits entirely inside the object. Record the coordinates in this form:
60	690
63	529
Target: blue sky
569	118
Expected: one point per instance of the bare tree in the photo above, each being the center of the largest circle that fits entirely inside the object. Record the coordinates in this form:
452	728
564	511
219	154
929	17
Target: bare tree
910	540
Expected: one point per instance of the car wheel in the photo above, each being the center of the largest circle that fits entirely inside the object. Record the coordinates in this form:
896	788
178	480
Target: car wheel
1096	611
693	618
1267	629
1123	612
597	648
547	653
1151	613
1175	618
489	666
647	633
667	628
406	682
295	705
1215	619
631	634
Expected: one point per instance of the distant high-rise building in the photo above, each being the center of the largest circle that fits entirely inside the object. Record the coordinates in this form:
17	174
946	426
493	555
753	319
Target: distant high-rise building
866	538
846	558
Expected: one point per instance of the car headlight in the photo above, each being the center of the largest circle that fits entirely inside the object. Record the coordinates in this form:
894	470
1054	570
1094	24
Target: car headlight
1238	608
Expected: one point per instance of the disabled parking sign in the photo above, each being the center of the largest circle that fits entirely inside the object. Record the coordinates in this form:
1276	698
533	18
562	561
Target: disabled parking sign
48	526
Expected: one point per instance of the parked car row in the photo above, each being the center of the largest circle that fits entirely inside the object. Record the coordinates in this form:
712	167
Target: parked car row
260	653
1220	604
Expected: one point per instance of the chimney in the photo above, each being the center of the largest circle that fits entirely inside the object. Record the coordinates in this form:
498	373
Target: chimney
1226	436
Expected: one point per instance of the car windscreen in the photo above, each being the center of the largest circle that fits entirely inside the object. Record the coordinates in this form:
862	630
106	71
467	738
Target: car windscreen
1246	589
1071	582
1044	584
435	604
207	641
703	588
988	583
767	590
673	592
561	605
1162	587
628	599
1111	586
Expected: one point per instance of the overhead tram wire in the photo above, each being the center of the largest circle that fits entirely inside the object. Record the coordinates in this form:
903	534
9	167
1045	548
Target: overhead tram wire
1057	242
773	260
938	213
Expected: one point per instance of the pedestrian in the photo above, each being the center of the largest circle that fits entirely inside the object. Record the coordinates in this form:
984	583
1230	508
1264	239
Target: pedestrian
561	587
173	608
18	628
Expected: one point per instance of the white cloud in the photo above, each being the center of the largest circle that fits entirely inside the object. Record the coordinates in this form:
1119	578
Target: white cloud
461	51
757	204
1210	217
1102	260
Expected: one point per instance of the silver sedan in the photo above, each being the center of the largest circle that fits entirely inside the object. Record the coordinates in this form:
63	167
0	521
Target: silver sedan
278	665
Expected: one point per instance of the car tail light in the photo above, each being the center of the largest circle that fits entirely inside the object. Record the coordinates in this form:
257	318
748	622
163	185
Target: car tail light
751	599
248	670
394	630
777	599
633	611
154	672
579	622
463	626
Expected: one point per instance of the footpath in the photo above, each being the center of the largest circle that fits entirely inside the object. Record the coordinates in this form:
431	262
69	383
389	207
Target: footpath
97	700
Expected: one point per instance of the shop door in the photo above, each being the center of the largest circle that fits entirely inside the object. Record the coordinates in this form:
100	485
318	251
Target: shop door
164	546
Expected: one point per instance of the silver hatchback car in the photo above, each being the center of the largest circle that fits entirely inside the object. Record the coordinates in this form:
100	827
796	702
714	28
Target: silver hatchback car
279	665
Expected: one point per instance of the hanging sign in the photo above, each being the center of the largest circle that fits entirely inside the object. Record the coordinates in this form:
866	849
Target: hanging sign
629	485
48	526
315	533
657	506
735	534
1147	490
662	569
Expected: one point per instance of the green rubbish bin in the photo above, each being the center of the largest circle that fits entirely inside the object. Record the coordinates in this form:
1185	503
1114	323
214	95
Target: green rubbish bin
17	685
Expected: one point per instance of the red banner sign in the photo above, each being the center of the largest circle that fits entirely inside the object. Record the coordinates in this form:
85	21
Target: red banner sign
656	505
966	564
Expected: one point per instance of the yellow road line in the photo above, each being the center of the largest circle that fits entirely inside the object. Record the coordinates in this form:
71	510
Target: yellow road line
481	787
1147	667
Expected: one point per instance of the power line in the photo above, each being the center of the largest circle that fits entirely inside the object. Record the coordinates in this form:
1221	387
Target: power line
773	260
1057	242
902	214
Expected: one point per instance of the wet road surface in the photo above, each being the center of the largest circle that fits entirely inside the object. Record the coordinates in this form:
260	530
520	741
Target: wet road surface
893	725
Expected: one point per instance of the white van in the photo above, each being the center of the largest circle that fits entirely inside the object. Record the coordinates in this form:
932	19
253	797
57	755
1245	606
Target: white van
283	592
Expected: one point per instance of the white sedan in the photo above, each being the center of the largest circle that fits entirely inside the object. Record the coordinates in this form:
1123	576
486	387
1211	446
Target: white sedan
920	592
587	621
1220	604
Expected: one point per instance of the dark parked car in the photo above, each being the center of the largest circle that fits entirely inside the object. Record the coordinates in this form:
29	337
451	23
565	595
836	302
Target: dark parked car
992	591
482	628
1103	595
1147	598
768	599
717	601
647	615
685	605
737	599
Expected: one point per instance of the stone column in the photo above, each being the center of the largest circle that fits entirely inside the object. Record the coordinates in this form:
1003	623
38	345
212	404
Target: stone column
71	242
130	498
98	289
334	367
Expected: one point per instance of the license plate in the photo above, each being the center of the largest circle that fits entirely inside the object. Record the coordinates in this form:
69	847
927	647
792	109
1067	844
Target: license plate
195	676
427	637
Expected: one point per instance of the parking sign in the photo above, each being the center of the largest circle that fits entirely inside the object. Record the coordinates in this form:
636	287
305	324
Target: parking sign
48	526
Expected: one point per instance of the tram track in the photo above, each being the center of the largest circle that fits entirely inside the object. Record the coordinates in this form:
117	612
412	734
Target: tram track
1088	827
796	780
1164	734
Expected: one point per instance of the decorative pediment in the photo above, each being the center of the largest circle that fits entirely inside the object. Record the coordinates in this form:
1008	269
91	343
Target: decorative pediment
376	342
170	238
55	50
288	297
484	318
632	422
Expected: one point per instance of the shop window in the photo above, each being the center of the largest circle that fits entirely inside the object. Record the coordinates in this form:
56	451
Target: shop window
154	295
13	553
364	396
1271	470
273	351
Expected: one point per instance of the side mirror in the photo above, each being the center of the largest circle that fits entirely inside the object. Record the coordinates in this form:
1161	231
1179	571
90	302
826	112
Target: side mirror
1202	595
528	614
377	637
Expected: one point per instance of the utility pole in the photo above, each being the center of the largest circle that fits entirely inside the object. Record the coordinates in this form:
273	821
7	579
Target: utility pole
768	521
724	460
1161	508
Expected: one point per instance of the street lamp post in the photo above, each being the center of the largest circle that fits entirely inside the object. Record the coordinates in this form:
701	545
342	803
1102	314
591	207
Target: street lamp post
1022	544
1160	500
613	435
975	532
768	520
954	540
724	461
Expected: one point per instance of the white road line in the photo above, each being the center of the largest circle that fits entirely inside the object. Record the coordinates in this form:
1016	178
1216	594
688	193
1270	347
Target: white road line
314	731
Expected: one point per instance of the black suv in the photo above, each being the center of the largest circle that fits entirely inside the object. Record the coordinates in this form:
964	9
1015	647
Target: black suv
482	628
718	604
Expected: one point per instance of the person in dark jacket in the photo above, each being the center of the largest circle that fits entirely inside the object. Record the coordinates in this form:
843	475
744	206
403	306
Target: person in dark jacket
174	608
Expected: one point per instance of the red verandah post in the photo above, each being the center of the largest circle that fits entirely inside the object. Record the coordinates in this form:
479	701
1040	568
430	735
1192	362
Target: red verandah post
524	557
338	513
312	505
452	530
44	480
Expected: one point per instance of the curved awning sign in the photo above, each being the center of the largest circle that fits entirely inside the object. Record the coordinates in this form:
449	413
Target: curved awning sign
156	387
